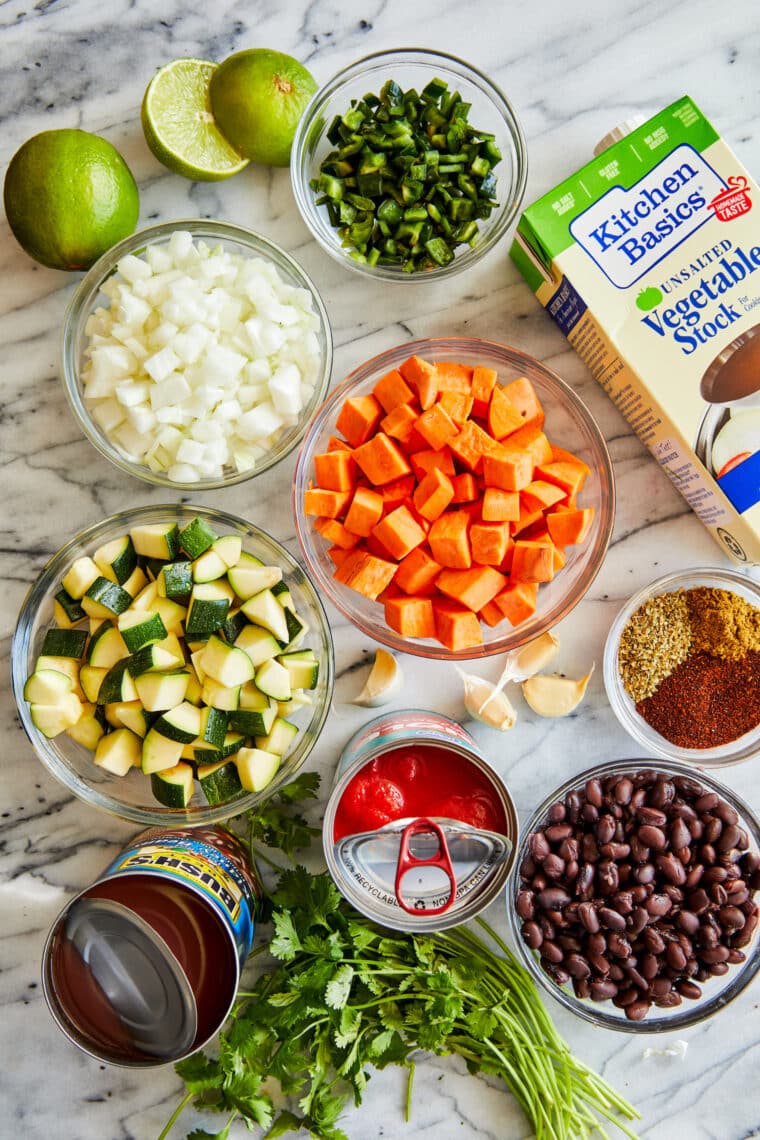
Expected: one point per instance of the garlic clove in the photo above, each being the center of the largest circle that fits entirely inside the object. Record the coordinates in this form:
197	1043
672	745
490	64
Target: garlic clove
535	656
383	682
519	664
486	703
551	695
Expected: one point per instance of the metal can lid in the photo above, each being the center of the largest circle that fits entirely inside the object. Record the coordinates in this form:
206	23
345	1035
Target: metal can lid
420	874
137	972
627	127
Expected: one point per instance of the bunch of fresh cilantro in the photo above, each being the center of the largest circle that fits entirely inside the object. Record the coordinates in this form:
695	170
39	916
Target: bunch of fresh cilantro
348	994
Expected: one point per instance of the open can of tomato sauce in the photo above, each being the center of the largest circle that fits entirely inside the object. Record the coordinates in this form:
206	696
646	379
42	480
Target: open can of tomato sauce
419	832
142	967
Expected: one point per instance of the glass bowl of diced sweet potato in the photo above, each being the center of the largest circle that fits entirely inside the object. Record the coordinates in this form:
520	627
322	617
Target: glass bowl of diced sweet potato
453	498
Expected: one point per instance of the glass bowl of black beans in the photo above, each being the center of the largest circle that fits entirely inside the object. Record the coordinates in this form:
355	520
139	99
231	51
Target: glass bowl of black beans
635	902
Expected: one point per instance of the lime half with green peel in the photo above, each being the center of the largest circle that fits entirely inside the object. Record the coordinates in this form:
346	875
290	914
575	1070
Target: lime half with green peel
258	97
179	127
69	196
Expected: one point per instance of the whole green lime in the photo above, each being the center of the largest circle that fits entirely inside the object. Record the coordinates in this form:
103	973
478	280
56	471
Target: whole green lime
257	98
69	196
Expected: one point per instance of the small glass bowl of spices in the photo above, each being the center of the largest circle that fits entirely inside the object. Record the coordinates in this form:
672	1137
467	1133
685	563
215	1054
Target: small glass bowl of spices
682	667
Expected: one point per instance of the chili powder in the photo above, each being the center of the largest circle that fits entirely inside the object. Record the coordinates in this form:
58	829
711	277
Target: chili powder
706	701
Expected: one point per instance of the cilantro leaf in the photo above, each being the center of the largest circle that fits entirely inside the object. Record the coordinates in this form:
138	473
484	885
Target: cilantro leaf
339	987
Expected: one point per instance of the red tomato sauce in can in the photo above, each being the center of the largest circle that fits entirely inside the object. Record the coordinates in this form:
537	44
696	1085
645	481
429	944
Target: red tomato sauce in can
418	780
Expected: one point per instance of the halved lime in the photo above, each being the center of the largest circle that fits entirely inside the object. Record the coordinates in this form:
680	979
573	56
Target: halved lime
179	127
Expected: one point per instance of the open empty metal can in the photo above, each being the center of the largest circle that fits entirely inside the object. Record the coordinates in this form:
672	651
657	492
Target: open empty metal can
419	832
142	967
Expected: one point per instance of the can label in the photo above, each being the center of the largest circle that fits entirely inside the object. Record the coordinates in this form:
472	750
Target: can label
205	868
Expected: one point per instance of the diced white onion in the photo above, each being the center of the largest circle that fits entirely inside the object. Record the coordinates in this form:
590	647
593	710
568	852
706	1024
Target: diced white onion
201	361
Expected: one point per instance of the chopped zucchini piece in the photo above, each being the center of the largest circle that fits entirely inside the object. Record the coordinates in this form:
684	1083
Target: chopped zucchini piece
207	611
118	752
219	781
181	723
159	752
79	577
229	548
90	679
302	667
196	537
140	628
105	599
258	643
279	738
256	768
88	730
226	663
106	646
250	576
117	685
274	680
47	686
64	643
223	697
116	559
161	691
175	580
263	609
173	787
54	719
156	540
71	607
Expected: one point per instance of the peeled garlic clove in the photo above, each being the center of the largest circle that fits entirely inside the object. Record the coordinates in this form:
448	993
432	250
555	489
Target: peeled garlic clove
528	659
383	681
535	656
486	703
552	695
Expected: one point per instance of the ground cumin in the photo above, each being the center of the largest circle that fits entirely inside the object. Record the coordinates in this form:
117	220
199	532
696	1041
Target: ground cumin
723	624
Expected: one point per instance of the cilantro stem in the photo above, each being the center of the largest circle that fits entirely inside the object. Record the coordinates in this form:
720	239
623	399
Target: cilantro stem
409	1084
175	1116
259	854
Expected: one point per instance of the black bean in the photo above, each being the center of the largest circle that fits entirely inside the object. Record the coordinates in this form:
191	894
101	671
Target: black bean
717	954
589	848
568	850
552	898
650	967
652	836
557	813
663	793
554	867
594	792
525	905
689	990
736	956
637	1010
653	940
556	832
688	922
698	901
603	990
651	817
588	916
557	974
725	812
576	966
688	787
637	921
671	868
675	956
610	919
728	839
618	945
658	905
599	963
532	935
680	836
708	802
668	1001
605	828
645	873
623	790
552	953
713	828
695	876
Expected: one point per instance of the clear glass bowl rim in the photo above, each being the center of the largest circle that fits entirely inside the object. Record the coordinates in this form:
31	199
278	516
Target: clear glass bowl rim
80	307
745	747
691	1012
441	61
386	360
48	580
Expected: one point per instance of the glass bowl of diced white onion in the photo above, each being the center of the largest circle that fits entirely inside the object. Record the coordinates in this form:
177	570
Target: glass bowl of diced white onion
194	354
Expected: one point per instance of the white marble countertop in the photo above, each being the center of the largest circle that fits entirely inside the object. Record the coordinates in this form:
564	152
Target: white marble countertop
572	71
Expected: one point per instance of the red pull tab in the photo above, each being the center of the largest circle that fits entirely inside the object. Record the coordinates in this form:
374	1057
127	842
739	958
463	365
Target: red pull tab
408	861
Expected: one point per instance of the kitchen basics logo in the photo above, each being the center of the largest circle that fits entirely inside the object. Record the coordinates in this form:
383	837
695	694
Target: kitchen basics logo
628	231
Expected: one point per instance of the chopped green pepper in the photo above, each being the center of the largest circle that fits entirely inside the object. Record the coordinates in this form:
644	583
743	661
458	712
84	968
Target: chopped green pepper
409	179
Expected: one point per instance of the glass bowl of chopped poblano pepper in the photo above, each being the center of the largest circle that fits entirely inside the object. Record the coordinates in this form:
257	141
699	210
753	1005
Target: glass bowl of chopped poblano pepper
682	666
409	164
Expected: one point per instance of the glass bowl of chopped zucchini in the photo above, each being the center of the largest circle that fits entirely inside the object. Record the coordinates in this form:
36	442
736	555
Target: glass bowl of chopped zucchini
194	353
172	664
409	165
453	498
682	666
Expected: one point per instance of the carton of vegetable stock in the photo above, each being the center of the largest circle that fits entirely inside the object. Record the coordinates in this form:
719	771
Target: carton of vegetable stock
648	259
